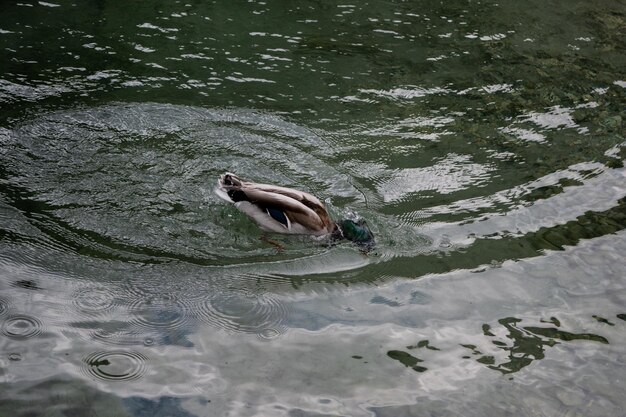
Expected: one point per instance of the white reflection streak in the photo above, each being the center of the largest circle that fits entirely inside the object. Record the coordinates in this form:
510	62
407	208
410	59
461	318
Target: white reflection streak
453	173
249	80
411	92
556	118
43	3
523	134
596	195
406	93
411	128
160	29
509	197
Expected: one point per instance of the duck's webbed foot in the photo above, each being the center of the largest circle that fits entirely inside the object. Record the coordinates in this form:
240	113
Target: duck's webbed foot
279	247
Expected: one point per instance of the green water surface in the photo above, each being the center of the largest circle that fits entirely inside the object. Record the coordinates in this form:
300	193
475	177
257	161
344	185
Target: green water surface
482	141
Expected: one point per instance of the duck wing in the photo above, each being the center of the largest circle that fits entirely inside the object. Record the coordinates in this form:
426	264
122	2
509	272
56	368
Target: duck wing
271	206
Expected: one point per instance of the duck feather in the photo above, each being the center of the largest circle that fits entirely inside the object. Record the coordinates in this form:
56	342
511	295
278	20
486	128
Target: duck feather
276	209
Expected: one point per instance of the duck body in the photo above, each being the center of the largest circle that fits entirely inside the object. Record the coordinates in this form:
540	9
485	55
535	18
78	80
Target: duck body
277	209
286	210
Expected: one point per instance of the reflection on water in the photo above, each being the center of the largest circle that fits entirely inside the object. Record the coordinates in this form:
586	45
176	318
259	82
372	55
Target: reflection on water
483	143
407	360
527	344
522	345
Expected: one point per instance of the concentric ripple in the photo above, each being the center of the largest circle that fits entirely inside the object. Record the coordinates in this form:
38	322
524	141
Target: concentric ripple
157	283
270	333
117	365
4	306
150	170
93	300
119	334
161	311
21	326
246	312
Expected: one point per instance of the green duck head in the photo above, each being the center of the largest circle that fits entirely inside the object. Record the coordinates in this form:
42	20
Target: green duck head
358	232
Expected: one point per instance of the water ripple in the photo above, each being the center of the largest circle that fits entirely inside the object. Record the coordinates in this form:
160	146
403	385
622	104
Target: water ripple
5	305
159	312
116	365
21	326
137	180
118	334
246	312
93	300
182	290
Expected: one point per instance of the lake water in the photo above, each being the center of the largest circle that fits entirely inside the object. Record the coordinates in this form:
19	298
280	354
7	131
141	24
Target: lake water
483	142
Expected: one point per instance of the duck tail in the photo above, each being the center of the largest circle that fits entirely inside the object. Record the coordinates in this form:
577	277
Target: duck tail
226	185
229	179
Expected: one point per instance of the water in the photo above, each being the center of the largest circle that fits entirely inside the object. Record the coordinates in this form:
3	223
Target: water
483	142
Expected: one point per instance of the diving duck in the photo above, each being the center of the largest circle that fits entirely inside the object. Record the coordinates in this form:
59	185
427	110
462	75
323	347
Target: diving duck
285	210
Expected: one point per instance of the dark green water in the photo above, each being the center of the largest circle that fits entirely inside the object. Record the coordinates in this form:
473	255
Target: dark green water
483	141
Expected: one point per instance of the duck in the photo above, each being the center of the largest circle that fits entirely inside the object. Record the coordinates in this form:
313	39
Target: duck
285	210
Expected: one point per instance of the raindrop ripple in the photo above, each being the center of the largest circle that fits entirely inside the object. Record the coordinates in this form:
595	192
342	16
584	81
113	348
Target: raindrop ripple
117	365
21	326
242	311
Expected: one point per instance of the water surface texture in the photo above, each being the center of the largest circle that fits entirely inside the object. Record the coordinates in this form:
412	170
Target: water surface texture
483	142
